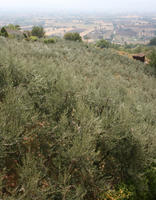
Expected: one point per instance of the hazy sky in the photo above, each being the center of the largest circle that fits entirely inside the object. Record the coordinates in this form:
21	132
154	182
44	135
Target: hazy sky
80	5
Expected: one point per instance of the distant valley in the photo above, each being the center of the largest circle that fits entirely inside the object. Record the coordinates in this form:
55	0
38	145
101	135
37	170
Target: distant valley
119	29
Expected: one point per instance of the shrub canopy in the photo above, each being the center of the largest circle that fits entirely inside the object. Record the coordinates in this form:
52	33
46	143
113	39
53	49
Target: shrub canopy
73	37
153	41
38	31
103	44
49	40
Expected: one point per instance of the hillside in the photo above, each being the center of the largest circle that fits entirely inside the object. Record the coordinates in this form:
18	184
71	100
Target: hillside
77	122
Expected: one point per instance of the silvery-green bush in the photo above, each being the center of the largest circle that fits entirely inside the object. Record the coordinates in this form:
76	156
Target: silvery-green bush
75	121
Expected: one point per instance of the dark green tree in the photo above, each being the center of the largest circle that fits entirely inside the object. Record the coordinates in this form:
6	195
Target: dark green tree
3	32
38	31
153	41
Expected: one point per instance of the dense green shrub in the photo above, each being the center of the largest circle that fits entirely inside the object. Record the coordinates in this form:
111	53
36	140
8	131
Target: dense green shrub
153	59
33	38
49	40
76	123
73	37
151	181
153	41
103	44
3	32
38	31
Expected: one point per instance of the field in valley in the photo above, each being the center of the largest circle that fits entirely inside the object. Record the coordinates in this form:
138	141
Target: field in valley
130	29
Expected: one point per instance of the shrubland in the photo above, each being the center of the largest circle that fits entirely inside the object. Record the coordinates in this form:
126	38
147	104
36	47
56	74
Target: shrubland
77	122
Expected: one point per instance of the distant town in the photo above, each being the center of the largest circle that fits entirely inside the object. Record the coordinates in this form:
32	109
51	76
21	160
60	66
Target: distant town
119	29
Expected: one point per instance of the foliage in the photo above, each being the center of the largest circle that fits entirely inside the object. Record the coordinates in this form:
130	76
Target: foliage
123	192
13	27
49	40
38	31
153	41
76	123
153	59
33	38
27	34
151	180
3	32
103	44
73	37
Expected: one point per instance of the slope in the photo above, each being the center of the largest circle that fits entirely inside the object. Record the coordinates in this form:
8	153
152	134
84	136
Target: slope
76	122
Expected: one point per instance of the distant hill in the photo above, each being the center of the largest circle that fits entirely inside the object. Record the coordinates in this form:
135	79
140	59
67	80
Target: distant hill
77	122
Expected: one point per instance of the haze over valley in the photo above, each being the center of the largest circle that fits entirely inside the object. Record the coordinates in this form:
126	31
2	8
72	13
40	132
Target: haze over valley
116	28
